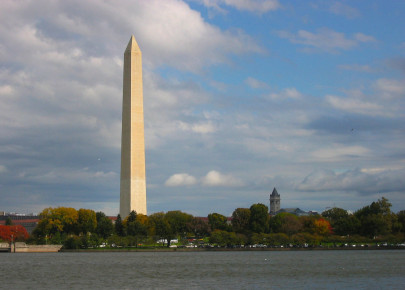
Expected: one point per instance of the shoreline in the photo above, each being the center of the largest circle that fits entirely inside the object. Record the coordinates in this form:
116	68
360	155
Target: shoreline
101	250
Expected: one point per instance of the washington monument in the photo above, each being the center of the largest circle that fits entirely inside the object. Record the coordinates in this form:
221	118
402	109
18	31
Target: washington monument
133	182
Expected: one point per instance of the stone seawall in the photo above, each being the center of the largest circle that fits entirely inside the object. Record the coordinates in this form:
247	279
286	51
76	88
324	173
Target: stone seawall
24	248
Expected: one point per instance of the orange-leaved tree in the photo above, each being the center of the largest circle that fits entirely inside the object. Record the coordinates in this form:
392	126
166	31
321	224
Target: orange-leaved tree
322	227
13	233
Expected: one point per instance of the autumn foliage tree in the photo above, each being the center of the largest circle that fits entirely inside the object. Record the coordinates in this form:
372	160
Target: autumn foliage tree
86	221
58	222
54	220
322	227
13	233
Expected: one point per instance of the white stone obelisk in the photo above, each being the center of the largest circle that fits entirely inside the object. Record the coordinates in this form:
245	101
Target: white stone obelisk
133	181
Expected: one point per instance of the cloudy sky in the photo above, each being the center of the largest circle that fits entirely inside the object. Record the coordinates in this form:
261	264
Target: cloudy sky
240	96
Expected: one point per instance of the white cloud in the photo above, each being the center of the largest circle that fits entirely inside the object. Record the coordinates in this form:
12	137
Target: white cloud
6	90
270	148
340	8
158	26
212	179
3	169
215	178
258	6
187	47
326	39
288	93
390	88
364	38
375	170
201	128
338	152
68	175
356	67
255	84
384	100
355	105
180	179
354	181
167	106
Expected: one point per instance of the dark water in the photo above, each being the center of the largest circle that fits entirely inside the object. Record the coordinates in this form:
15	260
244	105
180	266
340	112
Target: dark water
383	269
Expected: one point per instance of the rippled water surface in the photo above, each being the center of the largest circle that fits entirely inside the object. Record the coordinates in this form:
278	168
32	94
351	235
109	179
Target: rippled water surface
382	269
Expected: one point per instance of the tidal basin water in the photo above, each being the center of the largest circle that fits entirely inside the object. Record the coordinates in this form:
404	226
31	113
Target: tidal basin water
378	269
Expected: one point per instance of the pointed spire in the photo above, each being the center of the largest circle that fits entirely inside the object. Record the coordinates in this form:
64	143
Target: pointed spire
275	193
133	45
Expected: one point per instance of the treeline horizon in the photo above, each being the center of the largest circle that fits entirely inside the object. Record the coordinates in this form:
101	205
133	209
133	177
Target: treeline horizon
85	228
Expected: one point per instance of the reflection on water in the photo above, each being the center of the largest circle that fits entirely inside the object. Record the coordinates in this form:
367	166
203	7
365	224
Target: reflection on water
212	270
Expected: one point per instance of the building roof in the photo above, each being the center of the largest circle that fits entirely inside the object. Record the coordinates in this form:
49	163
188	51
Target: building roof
275	193
297	211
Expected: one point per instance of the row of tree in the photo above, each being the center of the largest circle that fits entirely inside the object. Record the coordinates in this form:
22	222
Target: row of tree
58	224
252	225
373	220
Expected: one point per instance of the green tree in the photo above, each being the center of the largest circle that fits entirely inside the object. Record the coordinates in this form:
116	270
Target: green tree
259	238
275	223
87	221
376	218
346	226
240	220
105	226
342	223
335	214
286	223
142	224
401	220
136	225
308	223
159	226
218	221
278	239
178	222
198	227
131	217
119	227
72	242
130	224
259	218
290	224
298	239
225	238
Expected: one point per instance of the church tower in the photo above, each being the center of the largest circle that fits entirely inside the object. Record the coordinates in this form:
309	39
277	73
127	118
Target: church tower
274	202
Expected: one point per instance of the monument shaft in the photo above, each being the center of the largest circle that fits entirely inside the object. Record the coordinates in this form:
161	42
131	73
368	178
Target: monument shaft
133	182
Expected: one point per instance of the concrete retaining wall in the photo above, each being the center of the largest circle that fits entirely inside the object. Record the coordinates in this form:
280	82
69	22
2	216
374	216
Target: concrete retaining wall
24	248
